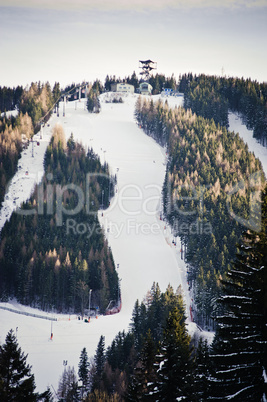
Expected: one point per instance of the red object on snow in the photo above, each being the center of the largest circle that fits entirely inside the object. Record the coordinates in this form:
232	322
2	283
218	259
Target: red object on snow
191	313
114	310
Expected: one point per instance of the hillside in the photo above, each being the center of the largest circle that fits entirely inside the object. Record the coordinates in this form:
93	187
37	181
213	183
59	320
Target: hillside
141	243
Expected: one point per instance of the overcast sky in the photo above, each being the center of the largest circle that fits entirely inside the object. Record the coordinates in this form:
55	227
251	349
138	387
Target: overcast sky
74	40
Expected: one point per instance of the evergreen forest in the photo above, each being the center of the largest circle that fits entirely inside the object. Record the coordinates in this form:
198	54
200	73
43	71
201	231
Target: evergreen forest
212	97
158	360
59	251
214	198
34	106
207	194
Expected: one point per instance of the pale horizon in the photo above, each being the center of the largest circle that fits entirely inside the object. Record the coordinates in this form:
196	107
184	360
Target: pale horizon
70	42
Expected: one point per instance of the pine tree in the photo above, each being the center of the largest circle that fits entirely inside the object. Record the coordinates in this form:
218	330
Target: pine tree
144	373
93	102
47	396
68	386
239	349
99	361
84	370
82	289
16	381
202	371
174	361
134	80
137	325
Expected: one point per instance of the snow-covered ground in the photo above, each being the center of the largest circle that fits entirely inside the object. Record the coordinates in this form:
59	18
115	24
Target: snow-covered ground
235	124
10	113
30	171
141	243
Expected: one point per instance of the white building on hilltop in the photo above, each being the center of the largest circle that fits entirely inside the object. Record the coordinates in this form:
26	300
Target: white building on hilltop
145	88
122	87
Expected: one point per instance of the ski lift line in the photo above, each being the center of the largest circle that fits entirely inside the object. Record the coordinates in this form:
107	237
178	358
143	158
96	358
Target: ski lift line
52	107
72	89
28	314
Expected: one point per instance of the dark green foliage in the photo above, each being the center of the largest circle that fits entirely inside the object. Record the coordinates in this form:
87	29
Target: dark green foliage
174	374
83	371
10	98
16	381
205	163
133	80
10	149
239	349
211	96
151	314
204	98
33	104
99	361
93	102
54	259
38	101
160	81
56	92
119	354
144	375
128	368
202	371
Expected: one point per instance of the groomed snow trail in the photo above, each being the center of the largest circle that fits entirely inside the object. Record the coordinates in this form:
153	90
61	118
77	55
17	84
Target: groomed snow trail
141	243
236	125
30	171
132	224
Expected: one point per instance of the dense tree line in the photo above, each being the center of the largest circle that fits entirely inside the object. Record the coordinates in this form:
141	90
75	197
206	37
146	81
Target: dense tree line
14	135
205	167
92	92
59	252
38	101
156	360
160	81
132	80
212	97
10	98
71	91
153	360
239	352
32	105
93	102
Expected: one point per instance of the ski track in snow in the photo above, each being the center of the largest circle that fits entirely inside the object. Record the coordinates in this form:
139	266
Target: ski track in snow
236	125
30	171
141	243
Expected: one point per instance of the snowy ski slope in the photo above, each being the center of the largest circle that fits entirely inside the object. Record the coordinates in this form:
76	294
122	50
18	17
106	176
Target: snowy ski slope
141	243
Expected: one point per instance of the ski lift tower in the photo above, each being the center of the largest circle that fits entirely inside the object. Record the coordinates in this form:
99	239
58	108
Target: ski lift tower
147	66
